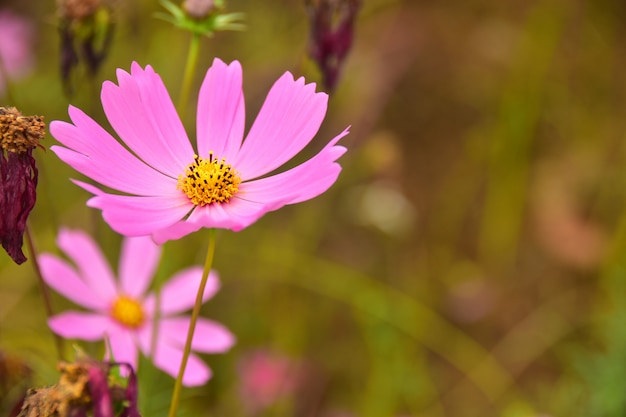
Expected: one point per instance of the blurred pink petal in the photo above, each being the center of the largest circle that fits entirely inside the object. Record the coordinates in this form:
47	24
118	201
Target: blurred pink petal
123	346
179	293
209	336
16	50
138	264
79	325
168	359
173	186
91	263
65	280
266	377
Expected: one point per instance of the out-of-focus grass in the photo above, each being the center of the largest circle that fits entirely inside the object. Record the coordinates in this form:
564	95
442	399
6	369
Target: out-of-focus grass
468	262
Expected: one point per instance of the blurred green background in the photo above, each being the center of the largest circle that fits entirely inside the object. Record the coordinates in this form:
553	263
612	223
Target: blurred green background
468	262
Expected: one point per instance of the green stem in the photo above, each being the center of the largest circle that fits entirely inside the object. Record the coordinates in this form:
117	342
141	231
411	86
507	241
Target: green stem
190	68
45	292
192	324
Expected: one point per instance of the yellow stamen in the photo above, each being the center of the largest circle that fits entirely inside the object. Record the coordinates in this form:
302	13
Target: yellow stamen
127	312
209	181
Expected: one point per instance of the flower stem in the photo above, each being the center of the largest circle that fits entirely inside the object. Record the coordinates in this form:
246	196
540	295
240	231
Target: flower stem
45	292
192	324
190	68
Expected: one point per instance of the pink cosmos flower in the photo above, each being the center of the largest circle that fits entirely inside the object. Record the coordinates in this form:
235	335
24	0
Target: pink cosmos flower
123	313
16	37
168	189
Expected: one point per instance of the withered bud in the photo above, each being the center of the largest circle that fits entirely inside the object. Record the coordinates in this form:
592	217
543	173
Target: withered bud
77	9
86	34
331	34
19	135
198	9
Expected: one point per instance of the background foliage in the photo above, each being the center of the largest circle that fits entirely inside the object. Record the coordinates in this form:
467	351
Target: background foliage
468	262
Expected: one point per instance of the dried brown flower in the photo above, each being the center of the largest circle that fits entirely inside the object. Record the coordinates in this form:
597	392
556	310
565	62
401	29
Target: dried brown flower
19	135
84	388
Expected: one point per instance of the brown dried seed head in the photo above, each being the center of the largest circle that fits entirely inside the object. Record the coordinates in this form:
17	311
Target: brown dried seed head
20	133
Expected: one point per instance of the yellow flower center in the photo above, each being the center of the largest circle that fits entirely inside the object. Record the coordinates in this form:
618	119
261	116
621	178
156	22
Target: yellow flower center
209	181
127	312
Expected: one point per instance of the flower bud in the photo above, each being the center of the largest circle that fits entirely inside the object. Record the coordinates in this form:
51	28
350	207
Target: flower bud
198	9
332	24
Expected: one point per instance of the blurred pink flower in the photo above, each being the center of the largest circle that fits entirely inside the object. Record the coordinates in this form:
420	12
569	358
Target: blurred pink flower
170	189
16	38
123	313
266	378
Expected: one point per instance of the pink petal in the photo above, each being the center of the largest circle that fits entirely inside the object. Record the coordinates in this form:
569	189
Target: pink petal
138	263
140	216
179	293
142	113
174	232
79	325
221	111
59	275
301	183
91	264
123	346
169	358
289	119
208	337
235	215
96	154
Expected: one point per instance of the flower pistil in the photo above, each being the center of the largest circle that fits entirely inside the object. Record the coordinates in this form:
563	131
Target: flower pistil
127	312
209	181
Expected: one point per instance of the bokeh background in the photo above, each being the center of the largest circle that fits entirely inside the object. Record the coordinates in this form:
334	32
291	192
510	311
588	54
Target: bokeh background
468	262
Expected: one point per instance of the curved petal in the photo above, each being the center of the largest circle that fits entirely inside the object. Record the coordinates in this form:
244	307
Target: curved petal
140	216
235	215
306	181
138	263
169	358
91	264
290	117
208	337
96	154
221	112
179	293
79	325
60	276
123	346
142	113
175	232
